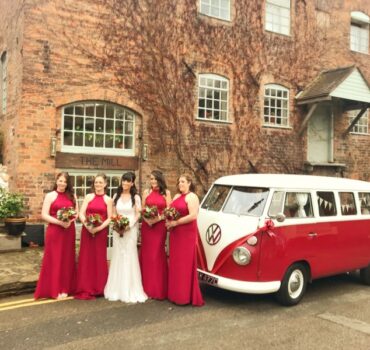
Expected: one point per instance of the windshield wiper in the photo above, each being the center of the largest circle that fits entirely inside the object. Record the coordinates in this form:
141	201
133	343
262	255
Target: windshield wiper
255	205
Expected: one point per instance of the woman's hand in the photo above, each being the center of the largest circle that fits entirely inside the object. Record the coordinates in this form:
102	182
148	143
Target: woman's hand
171	224
65	224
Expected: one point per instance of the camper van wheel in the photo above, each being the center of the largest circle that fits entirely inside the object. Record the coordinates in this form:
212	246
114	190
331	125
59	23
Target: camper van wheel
365	275
293	285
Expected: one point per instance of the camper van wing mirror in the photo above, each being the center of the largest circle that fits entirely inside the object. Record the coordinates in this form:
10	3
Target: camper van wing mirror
279	217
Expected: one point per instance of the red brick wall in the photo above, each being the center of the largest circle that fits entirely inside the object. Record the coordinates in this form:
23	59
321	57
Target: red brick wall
46	72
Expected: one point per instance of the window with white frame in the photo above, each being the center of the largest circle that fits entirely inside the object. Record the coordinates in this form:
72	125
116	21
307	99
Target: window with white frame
83	180
3	82
276	105
360	32
278	16
216	8
97	127
362	125
213	97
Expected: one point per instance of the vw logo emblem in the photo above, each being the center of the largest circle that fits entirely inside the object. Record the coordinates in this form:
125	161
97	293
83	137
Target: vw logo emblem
213	234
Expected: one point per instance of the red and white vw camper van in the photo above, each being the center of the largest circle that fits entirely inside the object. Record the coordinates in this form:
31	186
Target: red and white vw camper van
266	233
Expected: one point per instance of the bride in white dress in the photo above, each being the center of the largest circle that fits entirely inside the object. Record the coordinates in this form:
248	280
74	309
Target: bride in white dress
124	279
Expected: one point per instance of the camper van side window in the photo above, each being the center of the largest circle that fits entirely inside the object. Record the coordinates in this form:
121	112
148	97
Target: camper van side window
365	202
326	204
276	206
347	203
216	198
298	205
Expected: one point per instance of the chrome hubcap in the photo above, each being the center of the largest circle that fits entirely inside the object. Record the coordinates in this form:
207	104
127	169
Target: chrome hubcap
295	284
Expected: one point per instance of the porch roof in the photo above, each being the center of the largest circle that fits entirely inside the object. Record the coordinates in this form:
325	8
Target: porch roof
347	83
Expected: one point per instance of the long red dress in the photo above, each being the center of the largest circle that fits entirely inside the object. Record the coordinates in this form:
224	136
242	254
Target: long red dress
183	286
92	271
58	268
153	259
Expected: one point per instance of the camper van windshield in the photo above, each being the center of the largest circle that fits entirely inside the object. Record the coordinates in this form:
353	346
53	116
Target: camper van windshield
216	197
246	201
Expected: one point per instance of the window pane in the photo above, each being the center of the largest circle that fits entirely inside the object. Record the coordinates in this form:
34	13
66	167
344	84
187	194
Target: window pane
109	141
109	126
100	111
364	202
216	197
79	123
347	203
89	124
68	138
89	140
90	110
128	142
326	204
78	139
246	201
68	123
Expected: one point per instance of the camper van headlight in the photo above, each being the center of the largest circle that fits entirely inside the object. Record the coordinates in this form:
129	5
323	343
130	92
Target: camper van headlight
242	256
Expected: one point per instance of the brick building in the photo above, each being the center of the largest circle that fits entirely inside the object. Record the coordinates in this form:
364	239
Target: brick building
273	86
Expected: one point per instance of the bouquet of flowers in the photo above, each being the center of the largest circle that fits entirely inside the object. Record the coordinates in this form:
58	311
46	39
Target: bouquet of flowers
93	220
65	214
149	212
120	223
171	213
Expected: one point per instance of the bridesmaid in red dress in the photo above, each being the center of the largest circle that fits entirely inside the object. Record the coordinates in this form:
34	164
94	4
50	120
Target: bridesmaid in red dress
58	270
183	286
153	258
92	272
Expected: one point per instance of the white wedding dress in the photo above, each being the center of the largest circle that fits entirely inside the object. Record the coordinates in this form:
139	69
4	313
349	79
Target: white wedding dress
124	279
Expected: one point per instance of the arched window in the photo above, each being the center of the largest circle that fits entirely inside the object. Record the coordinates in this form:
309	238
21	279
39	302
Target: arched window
360	32
98	127
213	97
3	82
276	105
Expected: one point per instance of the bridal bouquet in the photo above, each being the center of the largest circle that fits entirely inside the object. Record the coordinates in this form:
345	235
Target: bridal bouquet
149	212
171	214
93	220
120	223
66	214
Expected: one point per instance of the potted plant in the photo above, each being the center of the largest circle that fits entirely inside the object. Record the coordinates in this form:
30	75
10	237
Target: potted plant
11	211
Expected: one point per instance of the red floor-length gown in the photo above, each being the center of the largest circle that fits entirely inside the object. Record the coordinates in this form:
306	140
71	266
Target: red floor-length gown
58	268
92	271
153	259
183	286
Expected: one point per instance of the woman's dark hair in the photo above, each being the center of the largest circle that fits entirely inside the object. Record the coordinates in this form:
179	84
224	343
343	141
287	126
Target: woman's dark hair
130	177
188	179
69	189
102	175
158	175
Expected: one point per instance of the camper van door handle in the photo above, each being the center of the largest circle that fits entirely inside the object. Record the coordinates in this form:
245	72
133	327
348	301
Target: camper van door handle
312	234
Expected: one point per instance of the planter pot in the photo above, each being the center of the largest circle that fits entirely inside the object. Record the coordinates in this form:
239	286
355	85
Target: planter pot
15	226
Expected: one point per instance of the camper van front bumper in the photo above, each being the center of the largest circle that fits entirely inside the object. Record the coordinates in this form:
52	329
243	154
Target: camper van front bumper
238	286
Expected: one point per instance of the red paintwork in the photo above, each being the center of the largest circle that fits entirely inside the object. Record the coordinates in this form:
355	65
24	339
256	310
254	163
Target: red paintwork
338	247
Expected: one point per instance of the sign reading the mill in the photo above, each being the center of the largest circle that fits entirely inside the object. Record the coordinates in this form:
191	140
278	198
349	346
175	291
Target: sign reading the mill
86	161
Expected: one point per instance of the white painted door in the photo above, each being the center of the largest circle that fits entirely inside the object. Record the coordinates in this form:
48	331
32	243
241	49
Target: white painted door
319	135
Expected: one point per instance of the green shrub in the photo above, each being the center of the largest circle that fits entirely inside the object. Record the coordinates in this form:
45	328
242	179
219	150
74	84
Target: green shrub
11	204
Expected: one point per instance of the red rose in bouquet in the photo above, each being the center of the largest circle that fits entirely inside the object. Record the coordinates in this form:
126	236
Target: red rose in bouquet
149	212
171	214
66	214
120	223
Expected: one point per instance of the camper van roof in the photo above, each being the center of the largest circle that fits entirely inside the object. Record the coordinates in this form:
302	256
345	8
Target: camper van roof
304	182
